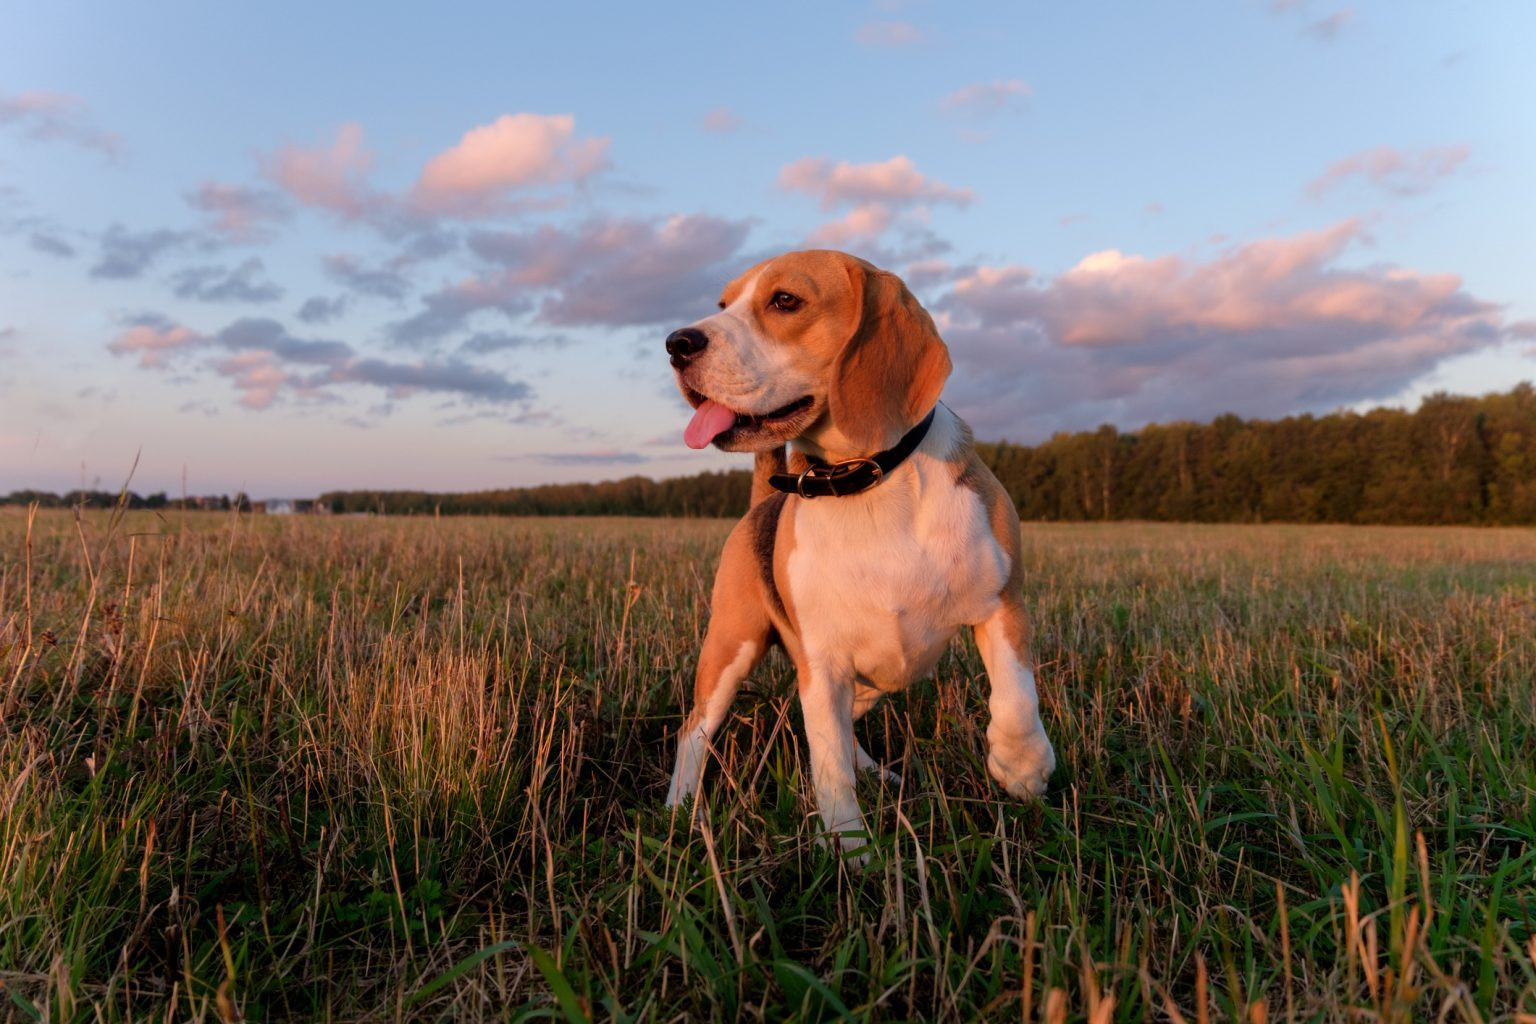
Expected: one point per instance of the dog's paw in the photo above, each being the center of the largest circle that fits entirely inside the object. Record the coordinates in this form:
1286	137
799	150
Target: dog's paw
885	774
852	848
1023	767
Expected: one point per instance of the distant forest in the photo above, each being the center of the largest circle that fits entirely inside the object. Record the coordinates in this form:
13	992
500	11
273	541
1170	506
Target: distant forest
1453	460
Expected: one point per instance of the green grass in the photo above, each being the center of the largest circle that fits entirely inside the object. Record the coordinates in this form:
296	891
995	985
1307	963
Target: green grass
261	769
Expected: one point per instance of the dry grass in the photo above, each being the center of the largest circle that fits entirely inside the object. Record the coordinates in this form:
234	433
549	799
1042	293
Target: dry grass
413	769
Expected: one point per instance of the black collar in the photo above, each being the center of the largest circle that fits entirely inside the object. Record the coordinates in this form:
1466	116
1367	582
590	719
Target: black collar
853	476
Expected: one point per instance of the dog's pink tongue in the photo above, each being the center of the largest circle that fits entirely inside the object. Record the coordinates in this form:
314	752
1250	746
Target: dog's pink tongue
710	420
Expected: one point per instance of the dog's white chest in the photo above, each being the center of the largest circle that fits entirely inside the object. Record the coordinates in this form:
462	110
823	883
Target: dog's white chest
882	581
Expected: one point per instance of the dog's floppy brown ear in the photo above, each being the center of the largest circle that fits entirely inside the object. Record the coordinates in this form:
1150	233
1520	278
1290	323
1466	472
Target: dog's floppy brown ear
892	369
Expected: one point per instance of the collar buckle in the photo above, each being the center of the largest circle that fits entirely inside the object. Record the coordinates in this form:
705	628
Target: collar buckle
832	473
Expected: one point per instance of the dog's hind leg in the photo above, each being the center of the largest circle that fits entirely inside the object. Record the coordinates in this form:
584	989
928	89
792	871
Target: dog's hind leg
863	699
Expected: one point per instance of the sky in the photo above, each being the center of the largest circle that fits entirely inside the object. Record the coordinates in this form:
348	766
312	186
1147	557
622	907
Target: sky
286	248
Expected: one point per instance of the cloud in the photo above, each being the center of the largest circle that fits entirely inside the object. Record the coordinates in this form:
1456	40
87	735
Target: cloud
128	254
452	376
258	376
897	180
450	309
1402	172
987	98
607	457
265	362
720	121
217	284
516	151
617	271
1267	328
153	339
887	35
319	309
863	223
875	191
1328	29
333	178
486	342
57	117
386	282
51	245
477	177
267	335
925	273
240	214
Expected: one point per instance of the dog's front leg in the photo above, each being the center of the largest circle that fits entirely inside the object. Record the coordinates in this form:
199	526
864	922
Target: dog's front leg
827	702
736	641
1019	753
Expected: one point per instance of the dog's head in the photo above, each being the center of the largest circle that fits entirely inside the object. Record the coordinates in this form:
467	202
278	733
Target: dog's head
816	345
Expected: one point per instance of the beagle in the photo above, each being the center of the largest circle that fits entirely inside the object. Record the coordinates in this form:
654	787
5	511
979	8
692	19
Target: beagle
872	543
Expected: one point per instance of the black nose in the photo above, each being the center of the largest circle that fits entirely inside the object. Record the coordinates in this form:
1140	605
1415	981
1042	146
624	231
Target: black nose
684	344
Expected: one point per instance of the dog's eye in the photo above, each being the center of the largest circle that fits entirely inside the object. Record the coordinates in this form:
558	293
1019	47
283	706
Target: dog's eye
785	302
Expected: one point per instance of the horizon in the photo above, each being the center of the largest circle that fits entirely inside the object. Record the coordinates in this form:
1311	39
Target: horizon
425	258
743	459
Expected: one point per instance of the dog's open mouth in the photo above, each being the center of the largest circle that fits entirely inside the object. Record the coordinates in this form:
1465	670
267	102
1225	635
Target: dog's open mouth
716	423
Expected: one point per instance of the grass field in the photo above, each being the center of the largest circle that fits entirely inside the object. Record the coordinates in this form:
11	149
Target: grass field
413	769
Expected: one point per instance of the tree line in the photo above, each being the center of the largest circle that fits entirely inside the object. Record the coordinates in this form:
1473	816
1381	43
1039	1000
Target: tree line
130	499
1453	460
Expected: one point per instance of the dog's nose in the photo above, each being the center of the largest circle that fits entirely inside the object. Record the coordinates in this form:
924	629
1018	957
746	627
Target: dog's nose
684	344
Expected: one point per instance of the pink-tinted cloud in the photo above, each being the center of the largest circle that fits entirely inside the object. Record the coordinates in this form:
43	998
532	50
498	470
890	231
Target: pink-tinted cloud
887	35
896	180
1266	328
57	117
516	151
153	341
333	177
1403	172
257	375
240	214
1327	29
863	223
985	98
720	121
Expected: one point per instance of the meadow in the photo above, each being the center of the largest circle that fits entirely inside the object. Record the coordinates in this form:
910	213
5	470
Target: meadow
262	768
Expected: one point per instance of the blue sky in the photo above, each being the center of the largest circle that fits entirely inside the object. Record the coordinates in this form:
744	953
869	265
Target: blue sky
289	247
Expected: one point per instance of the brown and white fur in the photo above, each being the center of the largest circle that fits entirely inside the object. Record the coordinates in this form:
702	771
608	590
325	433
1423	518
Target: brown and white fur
864	591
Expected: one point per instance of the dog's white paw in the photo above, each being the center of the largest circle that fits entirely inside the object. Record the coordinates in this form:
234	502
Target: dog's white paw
886	775
1022	766
864	763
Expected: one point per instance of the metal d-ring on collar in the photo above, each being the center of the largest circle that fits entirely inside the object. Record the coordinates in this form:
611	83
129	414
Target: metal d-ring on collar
851	476
831	473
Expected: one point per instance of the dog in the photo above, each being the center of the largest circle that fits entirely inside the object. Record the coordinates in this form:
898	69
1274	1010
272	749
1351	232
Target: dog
870	542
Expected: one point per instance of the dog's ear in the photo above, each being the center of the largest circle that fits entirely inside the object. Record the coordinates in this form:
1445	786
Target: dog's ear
890	372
